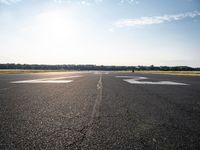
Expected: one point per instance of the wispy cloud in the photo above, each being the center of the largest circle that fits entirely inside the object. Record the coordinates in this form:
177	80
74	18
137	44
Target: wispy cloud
83	2
129	1
90	2
9	2
155	19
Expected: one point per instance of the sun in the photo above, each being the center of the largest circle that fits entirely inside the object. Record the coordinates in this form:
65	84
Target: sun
56	24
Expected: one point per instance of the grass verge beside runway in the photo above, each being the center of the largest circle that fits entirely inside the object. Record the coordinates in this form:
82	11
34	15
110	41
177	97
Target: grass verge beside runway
21	71
181	73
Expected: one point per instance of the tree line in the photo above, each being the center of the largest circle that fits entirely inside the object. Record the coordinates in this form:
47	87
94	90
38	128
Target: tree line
95	67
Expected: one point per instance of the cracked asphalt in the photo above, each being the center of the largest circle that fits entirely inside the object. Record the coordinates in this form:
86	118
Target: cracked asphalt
99	111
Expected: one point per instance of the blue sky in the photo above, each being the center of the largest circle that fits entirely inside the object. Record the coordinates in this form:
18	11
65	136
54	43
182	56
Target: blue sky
102	32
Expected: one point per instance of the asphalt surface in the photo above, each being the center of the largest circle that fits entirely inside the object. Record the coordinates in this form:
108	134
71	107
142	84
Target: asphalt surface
97	110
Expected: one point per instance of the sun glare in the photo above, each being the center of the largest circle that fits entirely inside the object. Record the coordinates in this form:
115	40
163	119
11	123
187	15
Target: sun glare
56	25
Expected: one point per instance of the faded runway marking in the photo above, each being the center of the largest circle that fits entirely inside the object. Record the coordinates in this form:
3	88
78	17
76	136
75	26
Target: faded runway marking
136	80
7	88
48	80
95	110
101	72
45	81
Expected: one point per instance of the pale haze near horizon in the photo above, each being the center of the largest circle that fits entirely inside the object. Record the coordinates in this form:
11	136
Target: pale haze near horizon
101	32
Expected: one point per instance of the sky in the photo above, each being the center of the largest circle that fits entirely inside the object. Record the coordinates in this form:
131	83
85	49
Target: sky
100	32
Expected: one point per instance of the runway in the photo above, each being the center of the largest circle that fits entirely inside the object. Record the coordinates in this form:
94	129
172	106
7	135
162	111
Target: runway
99	110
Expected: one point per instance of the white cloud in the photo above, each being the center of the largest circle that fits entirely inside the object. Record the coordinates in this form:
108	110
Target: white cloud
90	2
129	1
8	2
155	19
58	1
83	2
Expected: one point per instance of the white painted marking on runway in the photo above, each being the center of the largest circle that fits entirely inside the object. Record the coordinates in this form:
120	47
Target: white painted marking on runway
101	72
132	77
49	80
43	81
58	78
136	80
95	111
7	88
96	106
133	81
